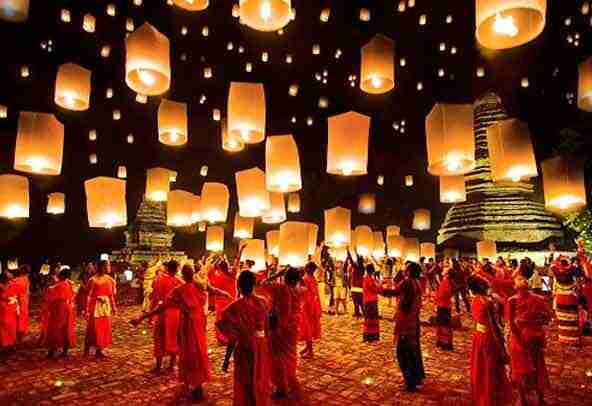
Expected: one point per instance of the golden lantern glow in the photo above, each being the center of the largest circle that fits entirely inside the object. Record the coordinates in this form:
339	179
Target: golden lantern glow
563	183
65	15
294	203
180	208
450	139
243	227
195	209
367	203
255	251
277	209
409	180
502	24
121	172
293	243
364	15
393	230
282	164
379	246
585	85
230	143
39	144
105	202
427	250
273	242
347	149
172	123
340	254
313	234
411	249
253	198
147	62
452	189
93	159
201	227
192	5
215	239
395	245
364	240
510	151
377	73
246	112
158	184
337	227
14	196
486	249
89	23
56	203
15	11
72	87
325	15
203	171
214	202
265	15
421	219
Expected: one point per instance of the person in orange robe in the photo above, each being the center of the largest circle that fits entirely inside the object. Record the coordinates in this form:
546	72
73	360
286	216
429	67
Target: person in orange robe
245	323
489	383
166	324
22	280
444	312
9	309
528	313
310	326
59	316
371	289
225	280
100	310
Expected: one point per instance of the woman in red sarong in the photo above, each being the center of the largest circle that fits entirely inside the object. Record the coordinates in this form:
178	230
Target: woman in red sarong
310	325
100	310
489	382
244	322
59	316
9	309
22	279
371	317
527	315
444	313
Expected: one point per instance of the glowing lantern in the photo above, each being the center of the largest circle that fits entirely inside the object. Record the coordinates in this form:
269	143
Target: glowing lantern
585	85
93	159
201	227
427	250
293	243
3	111
195	209
253	198
243	227
294	203
265	15
14	196
395	245
313	233
273	242
214	202
364	14
411	250
157	184
89	23
282	164
15	11
105	202
147	64
172	123
486	249
39	144
367	203
337	227
409	180
65	15
56	203
393	231
347	150
255	251
452	189
121	172
563	183
230	143
379	246
277	209
340	254
180	208
325	14
203	171
364	240
503	24
450	139
192	5
246	112
421	219
378	65
215	238
72	87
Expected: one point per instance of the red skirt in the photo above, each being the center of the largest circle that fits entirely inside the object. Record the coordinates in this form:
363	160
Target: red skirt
528	366
60	326
489	383
8	324
371	322
166	329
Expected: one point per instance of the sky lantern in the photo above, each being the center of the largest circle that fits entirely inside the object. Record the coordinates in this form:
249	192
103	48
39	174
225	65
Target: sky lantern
273	240
180	208
215	239
427	250
72	87
364	240
147	62
246	112
195	209
411	249
14	196
486	249
172	123
450	139
395	245
347	149
39	144
585	85
367	203
121	172
265	15
313	235
409	180
89	23
511	155
192	5
214	202
105	202
563	183
503	24
243	226
282	164
253	198
393	230
421	219
255	251
56	203
277	209
294	203
14	11
379	246
230	143
158	184
378	65
293	243
337	227
452	189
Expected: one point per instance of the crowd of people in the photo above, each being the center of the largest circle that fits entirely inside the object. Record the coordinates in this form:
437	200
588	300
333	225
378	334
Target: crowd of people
262	317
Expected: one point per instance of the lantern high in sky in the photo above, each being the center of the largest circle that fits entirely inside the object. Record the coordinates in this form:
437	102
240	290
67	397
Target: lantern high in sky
282	164
265	15
106	206
347	149
563	183
14	196
378	65
246	112
253	199
39	144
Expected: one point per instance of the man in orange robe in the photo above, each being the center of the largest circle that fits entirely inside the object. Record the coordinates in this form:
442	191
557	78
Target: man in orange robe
225	280
310	326
59	316
22	280
9	310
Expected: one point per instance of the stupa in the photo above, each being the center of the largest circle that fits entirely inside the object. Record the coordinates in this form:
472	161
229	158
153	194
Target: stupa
506	213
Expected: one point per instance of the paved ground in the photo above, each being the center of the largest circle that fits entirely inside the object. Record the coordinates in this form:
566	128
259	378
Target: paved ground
344	372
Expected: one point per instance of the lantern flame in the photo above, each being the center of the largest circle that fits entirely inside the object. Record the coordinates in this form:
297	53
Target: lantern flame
453	163
565	202
69	99
146	77
110	219
505	25
158	196
347	168
376	82
516	173
14	211
245	134
452	196
37	164
266	11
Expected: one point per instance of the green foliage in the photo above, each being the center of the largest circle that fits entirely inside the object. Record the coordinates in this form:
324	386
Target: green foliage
582	224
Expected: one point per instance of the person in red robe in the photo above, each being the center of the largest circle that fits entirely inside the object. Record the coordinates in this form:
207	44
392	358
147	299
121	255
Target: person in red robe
371	289
225	280
59	316
166	324
245	324
22	280
9	310
444	312
489	382
100	311
527	314
310	326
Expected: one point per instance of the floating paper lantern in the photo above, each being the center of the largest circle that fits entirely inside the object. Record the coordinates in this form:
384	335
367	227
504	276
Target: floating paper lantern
503	24
39	144
379	246
452	189
201	227
14	196
172	123
111	10
364	240
121	172
192	5
273	242
116	114
215	238
180	208
105	51
427	250
65	15
253	198
510	151
340	254
325	15
203	171
15	11
93	159
367	203
395	245
378	65
89	23
364	14
147	64
157	184
255	251
243	227
486	249
214	202
282	164
56	203
265	15
411	250
393	230
563	183
72	87
195	209
450	139
421	219
105	202
337	227
294	203
172	176
347	150
585	85
3	111
313	234
380	180
293	243
409	180
230	143
277	209
246	111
